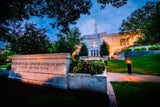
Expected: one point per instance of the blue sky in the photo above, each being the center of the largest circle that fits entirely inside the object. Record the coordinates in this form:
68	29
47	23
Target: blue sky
108	19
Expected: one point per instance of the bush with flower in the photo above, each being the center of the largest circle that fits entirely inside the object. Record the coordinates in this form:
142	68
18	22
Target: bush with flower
81	66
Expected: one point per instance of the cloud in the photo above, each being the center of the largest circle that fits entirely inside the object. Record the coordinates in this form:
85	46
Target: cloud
108	19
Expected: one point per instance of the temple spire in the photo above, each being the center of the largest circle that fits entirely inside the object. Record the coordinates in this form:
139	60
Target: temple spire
96	30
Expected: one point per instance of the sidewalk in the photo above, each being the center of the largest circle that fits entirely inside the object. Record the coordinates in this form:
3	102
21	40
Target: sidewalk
125	77
132	77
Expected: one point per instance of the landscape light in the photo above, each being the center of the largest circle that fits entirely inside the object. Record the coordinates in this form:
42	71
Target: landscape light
129	66
105	60
128	61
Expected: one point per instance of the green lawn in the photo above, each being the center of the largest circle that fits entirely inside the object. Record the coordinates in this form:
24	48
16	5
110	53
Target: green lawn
130	94
148	65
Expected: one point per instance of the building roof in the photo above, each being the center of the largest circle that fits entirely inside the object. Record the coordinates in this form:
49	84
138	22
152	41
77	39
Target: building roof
94	36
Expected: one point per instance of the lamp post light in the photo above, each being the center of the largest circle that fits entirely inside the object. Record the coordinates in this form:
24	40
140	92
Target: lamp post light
129	66
105	60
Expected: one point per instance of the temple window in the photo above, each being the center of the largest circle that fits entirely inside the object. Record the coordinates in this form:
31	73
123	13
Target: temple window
94	44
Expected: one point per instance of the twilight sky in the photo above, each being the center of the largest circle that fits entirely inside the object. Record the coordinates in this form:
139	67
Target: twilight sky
108	19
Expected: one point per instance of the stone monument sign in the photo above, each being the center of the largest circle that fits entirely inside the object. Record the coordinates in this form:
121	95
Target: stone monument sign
42	69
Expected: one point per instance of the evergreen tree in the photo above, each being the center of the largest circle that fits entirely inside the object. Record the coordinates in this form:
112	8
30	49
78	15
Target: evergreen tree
83	51
104	49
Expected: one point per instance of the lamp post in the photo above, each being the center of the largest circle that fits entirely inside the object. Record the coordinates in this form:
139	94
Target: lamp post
105	60
129	66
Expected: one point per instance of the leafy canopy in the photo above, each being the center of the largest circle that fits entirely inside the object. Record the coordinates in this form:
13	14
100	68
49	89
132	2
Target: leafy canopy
65	12
145	20
68	41
30	40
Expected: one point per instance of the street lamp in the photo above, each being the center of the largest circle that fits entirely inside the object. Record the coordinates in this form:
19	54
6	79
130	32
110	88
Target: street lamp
129	66
105	60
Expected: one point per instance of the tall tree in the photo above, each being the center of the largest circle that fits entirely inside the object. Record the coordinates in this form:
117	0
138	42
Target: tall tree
104	49
31	40
151	30
67	41
83	51
135	23
16	10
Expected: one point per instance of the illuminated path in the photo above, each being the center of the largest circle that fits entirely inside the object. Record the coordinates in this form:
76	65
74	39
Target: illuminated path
132	77
125	77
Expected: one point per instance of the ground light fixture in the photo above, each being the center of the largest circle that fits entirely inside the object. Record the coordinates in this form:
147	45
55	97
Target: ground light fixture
105	60
129	66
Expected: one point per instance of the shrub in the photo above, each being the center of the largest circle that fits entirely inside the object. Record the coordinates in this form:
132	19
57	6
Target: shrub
77	68
154	47
143	48
136	49
116	53
135	44
76	56
9	67
81	66
126	49
97	67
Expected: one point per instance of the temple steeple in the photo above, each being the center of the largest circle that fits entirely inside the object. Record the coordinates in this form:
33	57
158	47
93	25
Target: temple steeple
96	30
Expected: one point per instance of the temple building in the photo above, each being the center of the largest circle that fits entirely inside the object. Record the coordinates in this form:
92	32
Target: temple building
115	41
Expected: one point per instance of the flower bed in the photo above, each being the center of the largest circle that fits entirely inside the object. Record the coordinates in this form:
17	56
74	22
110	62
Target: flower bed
81	66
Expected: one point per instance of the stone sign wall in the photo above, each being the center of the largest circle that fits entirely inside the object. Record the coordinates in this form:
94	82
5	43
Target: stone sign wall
42	69
53	69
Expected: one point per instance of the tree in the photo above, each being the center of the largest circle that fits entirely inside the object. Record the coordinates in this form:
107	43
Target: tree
150	29
114	3
16	10
31	40
136	22
83	51
65	12
104	49
67	41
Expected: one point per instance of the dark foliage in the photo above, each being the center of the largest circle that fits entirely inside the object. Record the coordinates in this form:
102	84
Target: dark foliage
83	51
67	41
28	95
65	12
144	20
30	40
104	49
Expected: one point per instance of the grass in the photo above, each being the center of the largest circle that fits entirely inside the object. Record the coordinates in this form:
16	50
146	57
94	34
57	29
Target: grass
15	93
4	66
147	65
143	94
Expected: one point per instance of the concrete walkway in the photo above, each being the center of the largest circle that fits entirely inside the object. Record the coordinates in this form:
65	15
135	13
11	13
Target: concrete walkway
125	77
132	77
